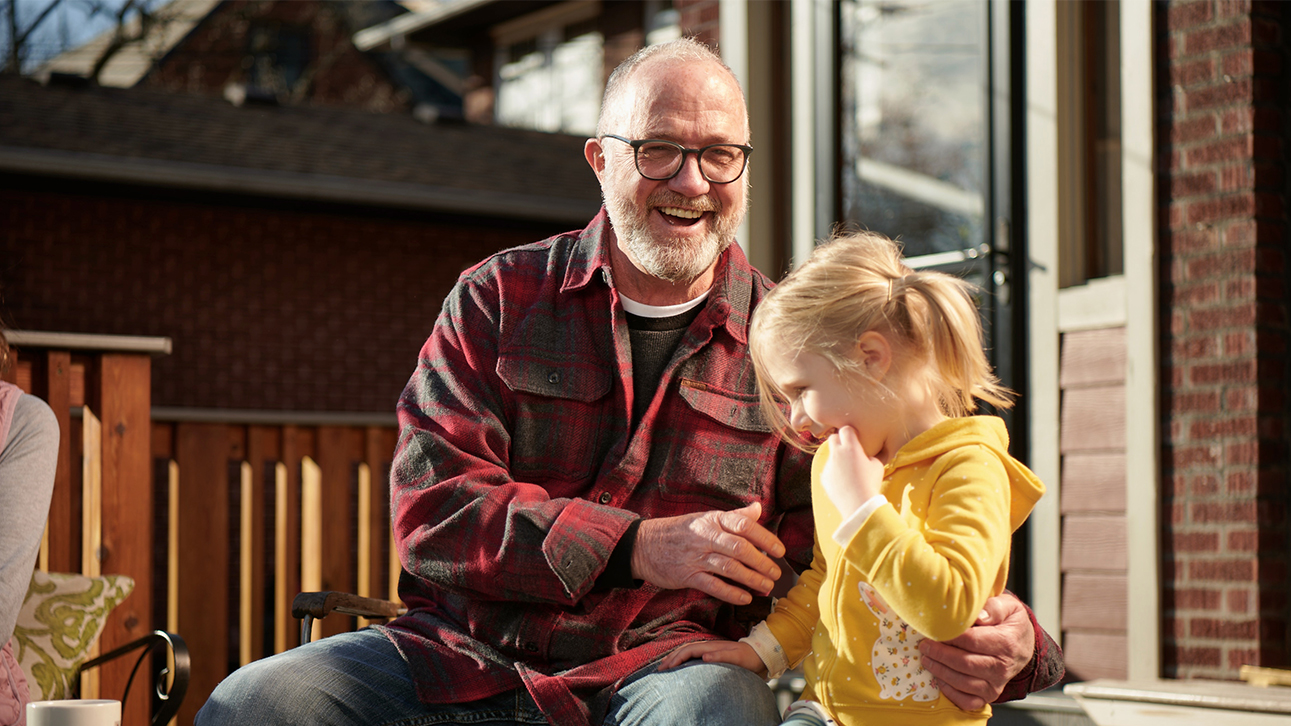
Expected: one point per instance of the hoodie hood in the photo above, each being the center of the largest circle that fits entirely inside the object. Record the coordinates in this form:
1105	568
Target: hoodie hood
989	431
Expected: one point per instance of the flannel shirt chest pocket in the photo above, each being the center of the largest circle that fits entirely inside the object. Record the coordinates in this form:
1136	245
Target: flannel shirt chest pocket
562	419
719	451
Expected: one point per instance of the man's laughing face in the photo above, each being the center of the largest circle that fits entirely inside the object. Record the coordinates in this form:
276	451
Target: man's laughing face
675	229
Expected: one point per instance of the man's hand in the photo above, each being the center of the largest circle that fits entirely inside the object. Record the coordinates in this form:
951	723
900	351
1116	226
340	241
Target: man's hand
699	550
973	669
717	651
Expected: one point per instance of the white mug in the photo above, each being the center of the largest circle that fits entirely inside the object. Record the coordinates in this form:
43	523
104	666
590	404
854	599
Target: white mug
88	712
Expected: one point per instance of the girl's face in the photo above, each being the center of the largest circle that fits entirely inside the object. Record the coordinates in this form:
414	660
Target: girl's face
822	399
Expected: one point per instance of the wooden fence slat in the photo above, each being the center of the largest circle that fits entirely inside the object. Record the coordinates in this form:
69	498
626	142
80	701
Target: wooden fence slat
339	449
245	574
261	449
123	389
204	568
311	530
91	523
281	594
51	381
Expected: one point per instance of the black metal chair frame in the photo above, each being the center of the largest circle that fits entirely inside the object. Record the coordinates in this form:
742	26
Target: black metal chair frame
169	699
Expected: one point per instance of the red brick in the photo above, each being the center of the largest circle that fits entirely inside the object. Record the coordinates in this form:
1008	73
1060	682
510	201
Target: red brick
1245	453
1196	599
1236	149
1246	540
1199	128
1234	8
1187	185
1195	294
1240	288
1239	315
1238	601
1228	570
1203	402
1189	456
1222	208
1223	512
1192	542
1193	240
1193	73
1197	656
1213	628
1185	15
1221	264
1238	657
1236	178
1241	398
1220	37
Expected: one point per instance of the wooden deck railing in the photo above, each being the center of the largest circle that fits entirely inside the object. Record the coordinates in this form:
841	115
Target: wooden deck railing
220	517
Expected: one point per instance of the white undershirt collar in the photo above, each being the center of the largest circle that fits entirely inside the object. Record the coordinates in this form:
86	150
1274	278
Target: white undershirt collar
660	311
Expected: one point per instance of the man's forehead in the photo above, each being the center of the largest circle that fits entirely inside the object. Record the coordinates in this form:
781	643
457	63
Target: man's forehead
660	95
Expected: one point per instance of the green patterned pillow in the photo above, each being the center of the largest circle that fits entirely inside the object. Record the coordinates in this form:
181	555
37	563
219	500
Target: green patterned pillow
60	620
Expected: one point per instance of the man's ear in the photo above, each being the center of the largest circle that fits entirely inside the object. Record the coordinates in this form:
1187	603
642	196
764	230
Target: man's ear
875	353
595	155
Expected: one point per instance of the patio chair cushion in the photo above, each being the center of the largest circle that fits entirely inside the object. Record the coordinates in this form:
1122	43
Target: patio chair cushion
59	623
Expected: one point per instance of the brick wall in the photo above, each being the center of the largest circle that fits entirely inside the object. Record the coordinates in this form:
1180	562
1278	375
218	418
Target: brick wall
270	306
1223	84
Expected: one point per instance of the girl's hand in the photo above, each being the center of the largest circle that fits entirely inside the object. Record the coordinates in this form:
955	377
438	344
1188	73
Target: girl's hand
851	477
716	651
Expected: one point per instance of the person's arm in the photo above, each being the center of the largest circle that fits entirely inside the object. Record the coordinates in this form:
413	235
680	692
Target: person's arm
27	462
937	576
460	520
1003	658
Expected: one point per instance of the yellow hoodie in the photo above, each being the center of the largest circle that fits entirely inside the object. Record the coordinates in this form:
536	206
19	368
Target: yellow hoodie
923	564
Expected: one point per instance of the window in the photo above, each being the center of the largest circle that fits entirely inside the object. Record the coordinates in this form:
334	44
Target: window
1089	130
549	69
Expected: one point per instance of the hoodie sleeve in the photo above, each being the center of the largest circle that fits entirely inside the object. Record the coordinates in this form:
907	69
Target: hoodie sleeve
936	568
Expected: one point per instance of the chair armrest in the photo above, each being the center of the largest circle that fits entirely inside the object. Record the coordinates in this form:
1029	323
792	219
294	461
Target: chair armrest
311	606
322	604
168	698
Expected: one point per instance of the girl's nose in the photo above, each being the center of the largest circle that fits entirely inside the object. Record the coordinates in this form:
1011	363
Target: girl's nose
797	419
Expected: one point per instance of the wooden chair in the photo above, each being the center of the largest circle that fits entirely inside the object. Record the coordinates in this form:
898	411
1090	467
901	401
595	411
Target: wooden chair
311	606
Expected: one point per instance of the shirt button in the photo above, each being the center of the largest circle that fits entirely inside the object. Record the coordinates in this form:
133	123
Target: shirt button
531	647
553	378
605	497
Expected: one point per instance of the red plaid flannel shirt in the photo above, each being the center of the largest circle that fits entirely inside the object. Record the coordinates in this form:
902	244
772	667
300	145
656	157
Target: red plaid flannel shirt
517	471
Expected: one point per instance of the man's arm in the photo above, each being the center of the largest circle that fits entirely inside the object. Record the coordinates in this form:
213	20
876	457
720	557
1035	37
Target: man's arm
1005	656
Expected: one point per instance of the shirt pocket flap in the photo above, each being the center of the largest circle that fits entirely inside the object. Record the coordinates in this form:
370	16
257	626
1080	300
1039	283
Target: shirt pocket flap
738	411
541	376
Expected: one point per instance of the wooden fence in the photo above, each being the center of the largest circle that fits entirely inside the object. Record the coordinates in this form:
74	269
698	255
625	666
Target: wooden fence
219	521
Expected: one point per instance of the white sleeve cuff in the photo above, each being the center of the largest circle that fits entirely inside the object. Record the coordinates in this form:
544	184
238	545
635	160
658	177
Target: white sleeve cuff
849	527
768	649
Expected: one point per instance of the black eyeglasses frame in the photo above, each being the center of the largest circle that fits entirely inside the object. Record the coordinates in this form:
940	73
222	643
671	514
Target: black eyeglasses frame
636	145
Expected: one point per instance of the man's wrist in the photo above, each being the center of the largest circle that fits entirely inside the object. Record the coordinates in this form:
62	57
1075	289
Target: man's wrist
618	568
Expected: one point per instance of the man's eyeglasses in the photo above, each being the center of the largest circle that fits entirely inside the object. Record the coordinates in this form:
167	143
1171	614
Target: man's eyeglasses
659	160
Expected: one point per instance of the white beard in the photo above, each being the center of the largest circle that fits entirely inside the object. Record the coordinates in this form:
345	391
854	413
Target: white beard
671	258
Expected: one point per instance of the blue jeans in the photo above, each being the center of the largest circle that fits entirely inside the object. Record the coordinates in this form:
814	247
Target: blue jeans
360	679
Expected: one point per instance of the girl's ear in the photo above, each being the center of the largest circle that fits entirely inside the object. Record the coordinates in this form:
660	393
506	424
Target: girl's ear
874	352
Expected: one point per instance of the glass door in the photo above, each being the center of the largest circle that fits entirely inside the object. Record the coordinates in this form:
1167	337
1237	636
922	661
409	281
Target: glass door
926	140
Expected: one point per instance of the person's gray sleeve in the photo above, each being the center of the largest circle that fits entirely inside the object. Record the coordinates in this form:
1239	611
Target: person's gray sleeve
27	464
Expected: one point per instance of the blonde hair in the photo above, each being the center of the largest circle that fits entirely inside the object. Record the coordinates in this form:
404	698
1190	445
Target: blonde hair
858	282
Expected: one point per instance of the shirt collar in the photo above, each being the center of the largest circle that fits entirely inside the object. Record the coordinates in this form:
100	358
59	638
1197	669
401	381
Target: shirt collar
729	300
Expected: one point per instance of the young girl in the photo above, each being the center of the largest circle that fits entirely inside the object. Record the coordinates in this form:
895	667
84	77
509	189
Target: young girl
915	500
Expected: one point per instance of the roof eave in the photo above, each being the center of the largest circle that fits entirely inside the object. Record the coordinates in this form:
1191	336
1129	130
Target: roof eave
292	185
